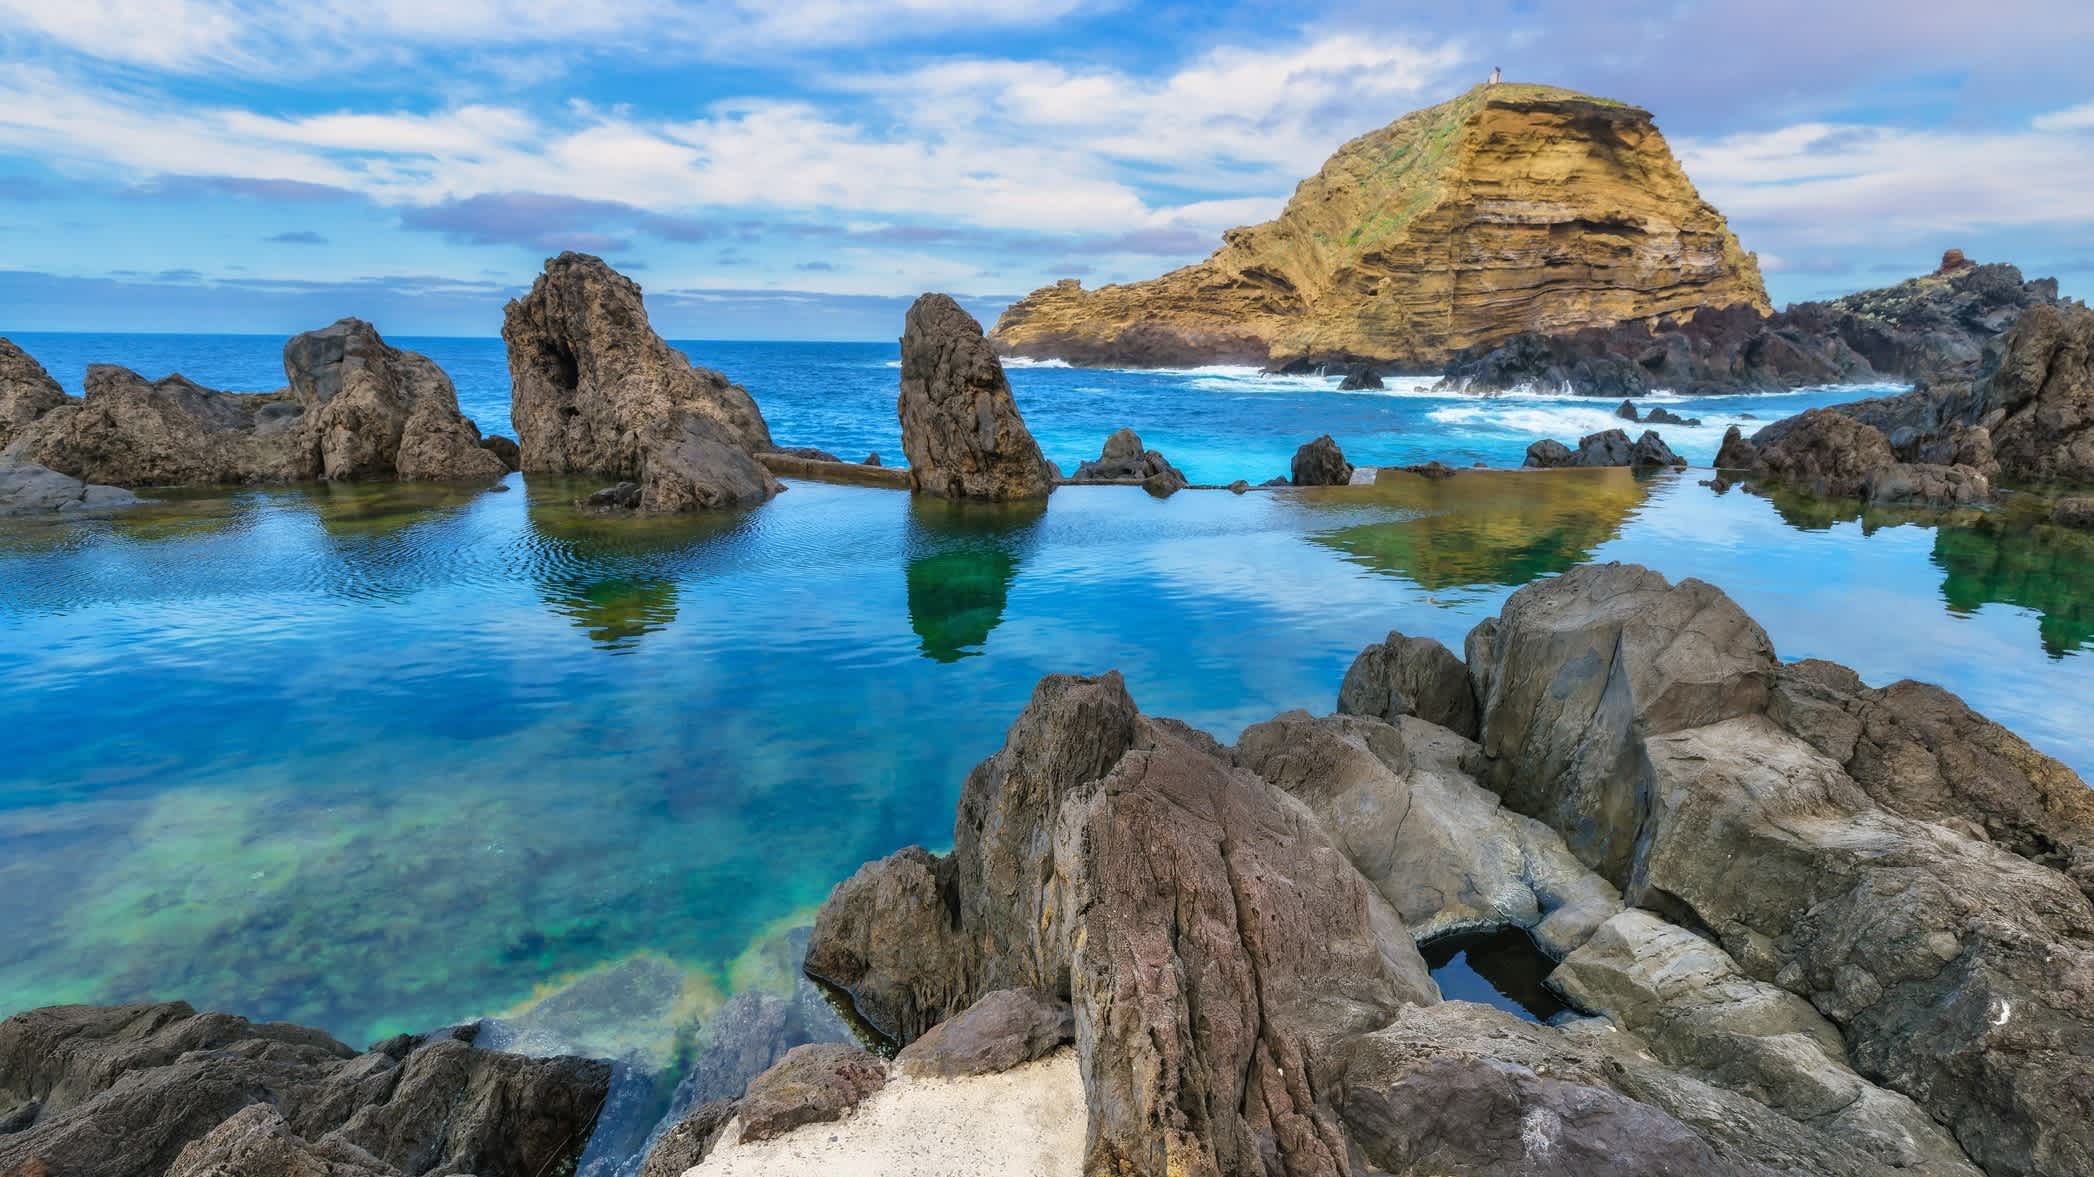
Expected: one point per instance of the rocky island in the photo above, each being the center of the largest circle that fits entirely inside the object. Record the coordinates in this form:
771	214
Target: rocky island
1513	208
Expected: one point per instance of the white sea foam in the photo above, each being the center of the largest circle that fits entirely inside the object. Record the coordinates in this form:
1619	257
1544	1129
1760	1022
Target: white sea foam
1027	362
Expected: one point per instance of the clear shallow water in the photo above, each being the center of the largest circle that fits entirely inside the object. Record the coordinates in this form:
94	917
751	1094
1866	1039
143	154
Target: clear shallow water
384	758
1216	424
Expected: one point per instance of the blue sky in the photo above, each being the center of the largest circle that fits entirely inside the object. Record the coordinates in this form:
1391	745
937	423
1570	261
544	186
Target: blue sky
773	170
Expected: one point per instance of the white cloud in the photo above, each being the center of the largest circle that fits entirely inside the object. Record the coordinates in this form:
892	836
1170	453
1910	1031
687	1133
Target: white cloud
269	38
1849	184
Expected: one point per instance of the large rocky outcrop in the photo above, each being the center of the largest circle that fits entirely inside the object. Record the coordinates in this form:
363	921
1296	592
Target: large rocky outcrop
1931	329
118	1091
1125	460
1511	208
1651	725
594	391
26	391
961	429
1319	462
1832	454
1124	864
355	408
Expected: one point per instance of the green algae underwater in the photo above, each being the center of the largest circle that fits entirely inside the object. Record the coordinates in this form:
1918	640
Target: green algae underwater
379	759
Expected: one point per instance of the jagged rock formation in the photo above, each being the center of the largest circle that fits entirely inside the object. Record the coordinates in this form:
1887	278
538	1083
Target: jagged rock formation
356	408
1319	463
960	427
1930	329
1610	447
142	1090
1125	460
593	390
1832	455
1810	927
1511	208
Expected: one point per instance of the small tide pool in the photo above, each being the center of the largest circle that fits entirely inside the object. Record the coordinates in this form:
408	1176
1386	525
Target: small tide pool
1502	967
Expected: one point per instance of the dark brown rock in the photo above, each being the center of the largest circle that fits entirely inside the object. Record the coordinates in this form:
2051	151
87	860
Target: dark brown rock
2074	512
961	429
1651	452
505	449
124	1090
1320	463
1004	1029
2039	402
1125	460
690	1141
375	411
1736	453
26	391
1548	454
1410	676
1833	454
812	1084
595	391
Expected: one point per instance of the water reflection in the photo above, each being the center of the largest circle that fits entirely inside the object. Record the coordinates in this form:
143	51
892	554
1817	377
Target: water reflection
614	575
962	560
1489	527
2019	561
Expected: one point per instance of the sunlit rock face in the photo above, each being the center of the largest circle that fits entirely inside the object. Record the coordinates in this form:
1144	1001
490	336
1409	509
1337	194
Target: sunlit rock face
1509	209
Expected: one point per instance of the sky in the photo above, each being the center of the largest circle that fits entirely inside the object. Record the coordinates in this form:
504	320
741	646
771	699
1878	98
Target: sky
772	170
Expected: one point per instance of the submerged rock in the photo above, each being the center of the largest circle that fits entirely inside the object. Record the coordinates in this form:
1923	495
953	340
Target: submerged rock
143	1090
1320	463
595	391
961	429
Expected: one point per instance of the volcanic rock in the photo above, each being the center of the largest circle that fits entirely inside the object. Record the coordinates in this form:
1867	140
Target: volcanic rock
1320	463
595	391
505	449
1410	676
1833	455
1004	1029
1511	208
961	429
1124	460
812	1084
29	489
1361	380
26	391
133	1090
1736	453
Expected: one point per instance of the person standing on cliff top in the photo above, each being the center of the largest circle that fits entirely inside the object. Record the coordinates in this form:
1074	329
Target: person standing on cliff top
1494	75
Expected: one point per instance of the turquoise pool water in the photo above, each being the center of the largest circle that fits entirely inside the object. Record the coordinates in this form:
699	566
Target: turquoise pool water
384	758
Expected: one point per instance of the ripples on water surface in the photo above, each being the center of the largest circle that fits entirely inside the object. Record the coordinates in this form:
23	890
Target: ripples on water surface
384	758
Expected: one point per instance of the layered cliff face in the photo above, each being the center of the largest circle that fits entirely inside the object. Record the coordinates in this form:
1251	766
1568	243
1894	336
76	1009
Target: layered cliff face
1510	209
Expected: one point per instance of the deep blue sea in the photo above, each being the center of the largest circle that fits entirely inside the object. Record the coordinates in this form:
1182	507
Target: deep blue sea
385	758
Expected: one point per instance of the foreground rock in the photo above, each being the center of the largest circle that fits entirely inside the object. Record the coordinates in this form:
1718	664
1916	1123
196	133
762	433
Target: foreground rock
356	408
1125	460
1932	329
1320	463
29	489
1510	207
595	391
143	1090
1810	926
961	429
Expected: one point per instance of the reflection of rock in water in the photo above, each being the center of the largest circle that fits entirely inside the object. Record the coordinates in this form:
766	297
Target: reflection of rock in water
1487	526
616	612
614	575
2032	565
962	559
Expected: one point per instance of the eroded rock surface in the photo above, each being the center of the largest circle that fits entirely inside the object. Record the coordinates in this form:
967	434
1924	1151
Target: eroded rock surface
961	429
595	391
1320	463
1410	676
1124	459
1002	1030
134	1090
1609	447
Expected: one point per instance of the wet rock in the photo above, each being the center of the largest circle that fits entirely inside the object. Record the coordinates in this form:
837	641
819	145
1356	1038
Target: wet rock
1361	380
1664	416
1832	454
812	1084
1548	454
596	391
871	460
29	489
1651	452
1239	486
1627	411
1125	460
1736	453
2074	512
1002	1030
504	449
623	497
1410	676
961	429
1320	463
808	452
123	1090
